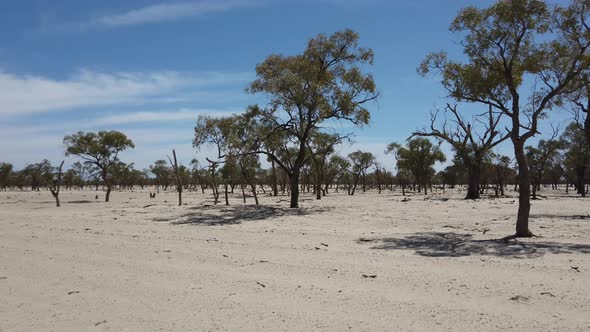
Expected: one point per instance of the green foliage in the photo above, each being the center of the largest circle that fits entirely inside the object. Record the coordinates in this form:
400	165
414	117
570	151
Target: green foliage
100	149
361	161
325	82
162	172
577	155
5	174
417	157
510	41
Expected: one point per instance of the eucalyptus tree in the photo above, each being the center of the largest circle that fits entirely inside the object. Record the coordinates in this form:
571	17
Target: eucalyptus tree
418	157
161	172
403	175
250	168
540	159
321	147
577	156
502	172
6	170
198	174
452	175
379	175
71	179
230	172
33	173
100	150
471	147
219	134
326	82
83	173
122	175
335	168
53	178
509	45
361	162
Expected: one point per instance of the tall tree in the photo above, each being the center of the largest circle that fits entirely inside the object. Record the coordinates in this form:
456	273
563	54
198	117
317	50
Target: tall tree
100	150
507	45
324	83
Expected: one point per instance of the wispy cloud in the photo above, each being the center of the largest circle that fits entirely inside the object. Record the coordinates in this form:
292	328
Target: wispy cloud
22	94
154	134
159	116
167	12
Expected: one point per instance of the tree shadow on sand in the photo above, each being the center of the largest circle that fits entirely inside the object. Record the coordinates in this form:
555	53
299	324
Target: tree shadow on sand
234	215
561	216
434	244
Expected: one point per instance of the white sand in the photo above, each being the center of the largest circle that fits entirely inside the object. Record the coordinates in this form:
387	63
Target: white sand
121	266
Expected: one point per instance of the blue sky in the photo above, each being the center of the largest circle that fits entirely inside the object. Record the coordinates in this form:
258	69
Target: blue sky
148	68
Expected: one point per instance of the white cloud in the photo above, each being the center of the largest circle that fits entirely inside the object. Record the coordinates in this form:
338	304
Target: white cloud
167	12
161	116
31	94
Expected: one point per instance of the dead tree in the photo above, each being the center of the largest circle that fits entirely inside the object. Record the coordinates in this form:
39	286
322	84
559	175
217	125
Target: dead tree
471	148
177	177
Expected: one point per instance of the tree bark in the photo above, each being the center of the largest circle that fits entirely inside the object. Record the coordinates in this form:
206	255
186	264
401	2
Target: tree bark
474	172
275	189
318	187
226	194
524	191
581	186
108	195
294	179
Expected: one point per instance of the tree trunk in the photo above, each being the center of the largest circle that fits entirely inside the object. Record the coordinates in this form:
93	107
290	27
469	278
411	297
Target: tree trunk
535	188
474	172
253	186
275	189
318	187
524	191
294	179
56	196
108	195
214	182
226	194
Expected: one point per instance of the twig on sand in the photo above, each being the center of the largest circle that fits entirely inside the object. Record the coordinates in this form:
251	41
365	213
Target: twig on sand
519	298
261	284
101	322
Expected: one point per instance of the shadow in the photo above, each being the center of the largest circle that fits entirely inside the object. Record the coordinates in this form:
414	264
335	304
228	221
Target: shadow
234	215
83	202
560	216
460	245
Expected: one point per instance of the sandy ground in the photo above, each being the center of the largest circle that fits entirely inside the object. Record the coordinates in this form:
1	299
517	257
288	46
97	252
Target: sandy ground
365	263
